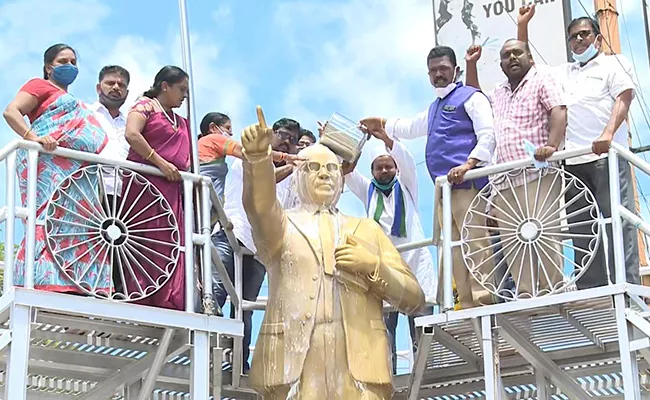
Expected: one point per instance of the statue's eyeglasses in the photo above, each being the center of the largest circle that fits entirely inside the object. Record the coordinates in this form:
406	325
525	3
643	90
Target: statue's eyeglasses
315	166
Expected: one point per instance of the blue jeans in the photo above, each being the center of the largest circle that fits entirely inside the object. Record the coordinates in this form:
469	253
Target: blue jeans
252	278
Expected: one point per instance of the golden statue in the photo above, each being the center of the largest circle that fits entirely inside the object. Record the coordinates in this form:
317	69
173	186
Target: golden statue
323	334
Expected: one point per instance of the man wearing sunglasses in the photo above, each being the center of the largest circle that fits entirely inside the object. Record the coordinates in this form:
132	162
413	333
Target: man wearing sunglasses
599	89
323	334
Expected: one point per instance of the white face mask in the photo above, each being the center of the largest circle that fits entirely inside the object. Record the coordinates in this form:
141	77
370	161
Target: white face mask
442	92
225	133
586	55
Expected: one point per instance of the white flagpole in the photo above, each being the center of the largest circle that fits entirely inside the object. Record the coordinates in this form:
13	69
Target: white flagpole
187	66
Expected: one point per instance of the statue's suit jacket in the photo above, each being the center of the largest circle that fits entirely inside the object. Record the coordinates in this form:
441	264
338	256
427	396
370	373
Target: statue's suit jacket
288	244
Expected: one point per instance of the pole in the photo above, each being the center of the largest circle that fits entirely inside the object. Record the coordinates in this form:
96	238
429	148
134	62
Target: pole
646	25
608	19
187	66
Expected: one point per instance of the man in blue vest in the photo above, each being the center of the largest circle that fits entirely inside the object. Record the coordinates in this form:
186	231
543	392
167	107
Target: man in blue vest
460	137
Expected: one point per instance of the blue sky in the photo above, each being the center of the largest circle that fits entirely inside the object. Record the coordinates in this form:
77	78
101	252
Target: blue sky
301	59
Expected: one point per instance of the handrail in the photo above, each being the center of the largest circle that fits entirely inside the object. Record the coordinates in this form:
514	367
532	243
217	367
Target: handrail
523	163
493	170
93	158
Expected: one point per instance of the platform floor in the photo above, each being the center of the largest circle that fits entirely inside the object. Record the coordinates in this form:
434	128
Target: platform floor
580	337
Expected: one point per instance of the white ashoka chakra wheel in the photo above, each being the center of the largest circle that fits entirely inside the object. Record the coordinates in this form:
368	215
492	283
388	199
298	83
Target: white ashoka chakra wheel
122	247
530	233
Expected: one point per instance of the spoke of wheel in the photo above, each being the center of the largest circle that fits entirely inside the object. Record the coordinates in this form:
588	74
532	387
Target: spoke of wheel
140	266
527	214
507	271
125	258
148	259
84	253
149	219
77	215
62	221
92	264
171	228
122	276
568	216
504	259
137	199
537	189
514	194
507	203
482	238
94	192
495	218
548	278
573	235
78	205
547	237
549	258
150	250
548	193
83	194
521	269
106	250
154	241
151	204
535	267
543	241
493	204
126	193
492	245
484	227
551	206
75	234
58	251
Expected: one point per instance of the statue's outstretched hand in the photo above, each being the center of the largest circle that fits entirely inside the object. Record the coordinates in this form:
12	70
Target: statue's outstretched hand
256	138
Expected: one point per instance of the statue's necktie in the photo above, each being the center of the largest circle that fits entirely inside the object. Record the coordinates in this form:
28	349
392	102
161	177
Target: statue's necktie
326	230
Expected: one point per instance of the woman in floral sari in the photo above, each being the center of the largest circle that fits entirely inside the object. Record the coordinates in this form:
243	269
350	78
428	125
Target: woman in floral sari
57	118
161	138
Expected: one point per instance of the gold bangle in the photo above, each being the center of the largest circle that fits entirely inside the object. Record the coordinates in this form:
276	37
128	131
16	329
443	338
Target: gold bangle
150	154
27	132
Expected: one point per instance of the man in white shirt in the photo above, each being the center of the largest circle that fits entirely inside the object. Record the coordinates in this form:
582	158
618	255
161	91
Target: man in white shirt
460	137
112	90
391	199
285	138
599	90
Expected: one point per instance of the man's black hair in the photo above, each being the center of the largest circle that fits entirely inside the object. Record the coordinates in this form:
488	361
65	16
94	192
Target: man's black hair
115	69
442	51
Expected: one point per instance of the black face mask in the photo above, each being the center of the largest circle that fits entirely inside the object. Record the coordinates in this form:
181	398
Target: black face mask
110	102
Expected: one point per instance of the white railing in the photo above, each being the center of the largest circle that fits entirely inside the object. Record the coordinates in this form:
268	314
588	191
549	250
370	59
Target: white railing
443	228
198	235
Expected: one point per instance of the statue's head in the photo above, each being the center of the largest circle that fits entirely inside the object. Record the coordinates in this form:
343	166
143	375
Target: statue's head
318	180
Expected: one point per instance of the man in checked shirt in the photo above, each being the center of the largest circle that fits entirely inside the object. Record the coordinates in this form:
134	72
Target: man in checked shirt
529	105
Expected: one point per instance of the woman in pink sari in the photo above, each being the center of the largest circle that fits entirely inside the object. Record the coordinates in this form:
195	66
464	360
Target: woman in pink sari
160	138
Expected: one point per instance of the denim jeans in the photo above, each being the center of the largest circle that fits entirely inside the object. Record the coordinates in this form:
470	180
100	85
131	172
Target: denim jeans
252	278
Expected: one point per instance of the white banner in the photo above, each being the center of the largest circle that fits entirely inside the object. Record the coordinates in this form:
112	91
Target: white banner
461	23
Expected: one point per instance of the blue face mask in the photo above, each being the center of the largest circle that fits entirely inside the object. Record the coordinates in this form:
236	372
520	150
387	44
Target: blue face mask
65	74
586	55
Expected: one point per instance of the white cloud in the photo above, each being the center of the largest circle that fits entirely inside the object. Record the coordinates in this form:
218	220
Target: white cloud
369	58
24	36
